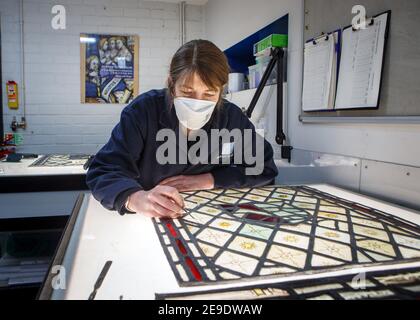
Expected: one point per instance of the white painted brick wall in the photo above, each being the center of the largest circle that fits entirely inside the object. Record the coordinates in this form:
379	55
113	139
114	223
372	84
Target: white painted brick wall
57	121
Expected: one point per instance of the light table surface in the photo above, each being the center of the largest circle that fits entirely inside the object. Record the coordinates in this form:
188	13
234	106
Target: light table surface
140	268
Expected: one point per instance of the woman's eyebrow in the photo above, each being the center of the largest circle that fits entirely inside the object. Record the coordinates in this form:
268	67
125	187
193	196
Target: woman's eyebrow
187	87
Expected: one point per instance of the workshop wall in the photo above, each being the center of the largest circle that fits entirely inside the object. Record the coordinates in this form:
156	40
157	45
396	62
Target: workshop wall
360	157
57	121
229	21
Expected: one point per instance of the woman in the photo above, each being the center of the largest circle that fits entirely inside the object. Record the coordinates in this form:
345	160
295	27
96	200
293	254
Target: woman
124	55
93	70
104	52
113	48
127	174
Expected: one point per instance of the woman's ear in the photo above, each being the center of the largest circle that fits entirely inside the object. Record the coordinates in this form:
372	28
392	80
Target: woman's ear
221	95
225	89
171	86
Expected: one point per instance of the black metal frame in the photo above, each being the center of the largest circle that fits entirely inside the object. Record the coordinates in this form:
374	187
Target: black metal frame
43	183
46	291
278	58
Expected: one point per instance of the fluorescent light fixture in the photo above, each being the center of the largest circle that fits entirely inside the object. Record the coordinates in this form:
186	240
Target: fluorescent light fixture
87	40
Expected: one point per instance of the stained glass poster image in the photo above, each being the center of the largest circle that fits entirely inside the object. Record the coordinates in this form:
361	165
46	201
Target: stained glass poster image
109	68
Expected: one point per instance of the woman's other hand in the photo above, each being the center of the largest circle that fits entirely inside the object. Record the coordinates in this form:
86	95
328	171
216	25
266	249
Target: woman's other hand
190	183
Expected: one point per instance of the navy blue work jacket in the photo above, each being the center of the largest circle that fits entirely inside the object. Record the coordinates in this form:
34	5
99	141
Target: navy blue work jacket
127	163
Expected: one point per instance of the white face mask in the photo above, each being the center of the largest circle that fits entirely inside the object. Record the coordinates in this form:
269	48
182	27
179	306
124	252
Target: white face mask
192	113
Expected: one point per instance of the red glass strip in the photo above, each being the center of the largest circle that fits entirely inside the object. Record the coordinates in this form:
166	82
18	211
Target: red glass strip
181	247
171	230
193	269
249	207
260	217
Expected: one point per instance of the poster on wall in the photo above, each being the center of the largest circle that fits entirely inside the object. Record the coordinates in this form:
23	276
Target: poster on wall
109	68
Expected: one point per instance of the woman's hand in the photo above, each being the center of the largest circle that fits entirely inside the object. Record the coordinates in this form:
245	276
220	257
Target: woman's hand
160	202
190	183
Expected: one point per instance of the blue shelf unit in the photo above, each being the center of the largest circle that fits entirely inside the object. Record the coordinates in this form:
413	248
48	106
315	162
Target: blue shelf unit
240	56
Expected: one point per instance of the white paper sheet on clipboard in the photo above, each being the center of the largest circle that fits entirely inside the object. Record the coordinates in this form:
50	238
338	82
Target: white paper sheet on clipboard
320	73
361	65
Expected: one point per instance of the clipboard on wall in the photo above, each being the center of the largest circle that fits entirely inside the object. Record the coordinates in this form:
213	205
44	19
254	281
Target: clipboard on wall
362	64
321	69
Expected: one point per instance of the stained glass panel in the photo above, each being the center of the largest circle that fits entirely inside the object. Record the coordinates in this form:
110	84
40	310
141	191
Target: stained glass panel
229	235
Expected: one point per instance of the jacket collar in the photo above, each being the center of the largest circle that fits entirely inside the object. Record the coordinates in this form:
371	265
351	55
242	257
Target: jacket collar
168	118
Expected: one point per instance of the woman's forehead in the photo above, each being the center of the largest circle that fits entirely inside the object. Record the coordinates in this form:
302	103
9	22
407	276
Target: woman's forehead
193	81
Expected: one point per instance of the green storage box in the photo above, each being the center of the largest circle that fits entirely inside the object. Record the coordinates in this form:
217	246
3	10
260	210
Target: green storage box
272	41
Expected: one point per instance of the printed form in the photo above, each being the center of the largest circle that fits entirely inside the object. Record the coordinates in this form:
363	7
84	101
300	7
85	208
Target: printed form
361	66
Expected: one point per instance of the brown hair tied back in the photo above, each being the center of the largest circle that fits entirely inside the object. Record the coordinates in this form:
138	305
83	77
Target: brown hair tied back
199	57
